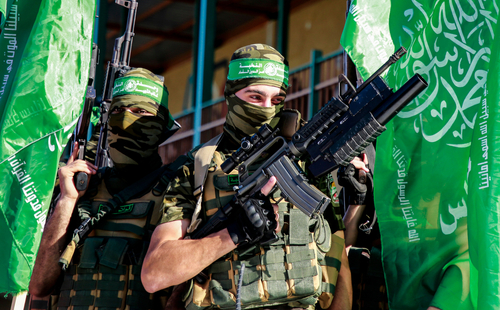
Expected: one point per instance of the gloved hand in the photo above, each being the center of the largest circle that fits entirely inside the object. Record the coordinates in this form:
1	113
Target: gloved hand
357	187
254	220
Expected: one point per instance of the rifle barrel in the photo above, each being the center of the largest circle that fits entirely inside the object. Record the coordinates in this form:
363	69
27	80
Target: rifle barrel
394	57
385	112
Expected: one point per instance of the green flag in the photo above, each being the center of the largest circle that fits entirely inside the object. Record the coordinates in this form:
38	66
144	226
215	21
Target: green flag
46	49
5	6
436	195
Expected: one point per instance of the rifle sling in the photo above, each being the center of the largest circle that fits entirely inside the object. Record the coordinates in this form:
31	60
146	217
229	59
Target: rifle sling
137	189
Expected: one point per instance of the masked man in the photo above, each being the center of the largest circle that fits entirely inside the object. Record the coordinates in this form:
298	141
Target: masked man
105	270
297	271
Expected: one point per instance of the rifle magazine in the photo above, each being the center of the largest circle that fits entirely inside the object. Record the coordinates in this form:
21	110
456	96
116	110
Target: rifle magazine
296	189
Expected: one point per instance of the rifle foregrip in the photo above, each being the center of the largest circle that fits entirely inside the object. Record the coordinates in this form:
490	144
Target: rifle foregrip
296	189
349	146
360	137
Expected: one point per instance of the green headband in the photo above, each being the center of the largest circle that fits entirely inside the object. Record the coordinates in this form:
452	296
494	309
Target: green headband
135	85
244	68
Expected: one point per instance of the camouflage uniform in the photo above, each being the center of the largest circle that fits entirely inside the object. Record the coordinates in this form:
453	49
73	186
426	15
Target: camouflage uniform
105	272
299	270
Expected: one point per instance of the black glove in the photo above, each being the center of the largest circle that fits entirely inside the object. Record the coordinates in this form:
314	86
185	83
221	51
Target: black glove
252	221
356	189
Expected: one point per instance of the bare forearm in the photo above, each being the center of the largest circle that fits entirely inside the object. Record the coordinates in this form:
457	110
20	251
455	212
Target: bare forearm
176	261
343	289
352	220
54	239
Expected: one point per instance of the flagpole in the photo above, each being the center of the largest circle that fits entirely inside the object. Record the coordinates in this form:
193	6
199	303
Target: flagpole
349	68
18	301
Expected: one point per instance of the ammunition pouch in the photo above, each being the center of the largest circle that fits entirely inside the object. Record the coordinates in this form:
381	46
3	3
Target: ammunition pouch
300	269
104	287
290	271
105	273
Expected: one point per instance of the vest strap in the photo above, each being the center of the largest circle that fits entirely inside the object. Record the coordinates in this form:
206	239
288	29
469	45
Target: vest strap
273	256
332	262
301	273
85	285
111	226
82	300
202	161
108	302
307	254
328	287
274	275
120	270
111	285
135	285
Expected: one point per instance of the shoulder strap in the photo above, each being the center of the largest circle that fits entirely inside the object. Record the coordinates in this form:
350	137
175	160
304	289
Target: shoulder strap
202	160
137	189
168	175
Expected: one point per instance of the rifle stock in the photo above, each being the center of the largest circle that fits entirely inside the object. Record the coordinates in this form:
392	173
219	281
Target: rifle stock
342	129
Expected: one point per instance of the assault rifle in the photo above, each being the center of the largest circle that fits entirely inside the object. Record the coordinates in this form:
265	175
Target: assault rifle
118	66
82	131
342	129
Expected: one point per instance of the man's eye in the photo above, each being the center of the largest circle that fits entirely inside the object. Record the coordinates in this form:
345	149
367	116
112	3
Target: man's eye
117	110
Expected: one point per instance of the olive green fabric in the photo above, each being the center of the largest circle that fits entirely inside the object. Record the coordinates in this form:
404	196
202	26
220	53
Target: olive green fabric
141	86
287	272
157	105
326	184
134	138
180	203
245	68
105	271
256	51
243	118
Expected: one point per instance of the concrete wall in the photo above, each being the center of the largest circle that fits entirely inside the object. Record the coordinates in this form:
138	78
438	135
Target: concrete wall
314	25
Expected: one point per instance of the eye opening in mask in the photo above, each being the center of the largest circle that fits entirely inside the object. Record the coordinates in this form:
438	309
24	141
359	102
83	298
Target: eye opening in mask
134	110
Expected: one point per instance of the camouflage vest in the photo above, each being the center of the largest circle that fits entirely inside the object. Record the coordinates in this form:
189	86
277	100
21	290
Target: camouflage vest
298	270
105	273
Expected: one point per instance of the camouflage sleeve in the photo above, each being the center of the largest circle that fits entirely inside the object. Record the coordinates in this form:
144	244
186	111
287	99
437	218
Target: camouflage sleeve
333	214
326	184
179	202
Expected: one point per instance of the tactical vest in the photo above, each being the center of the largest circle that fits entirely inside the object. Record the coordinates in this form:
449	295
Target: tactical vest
105	274
299	270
